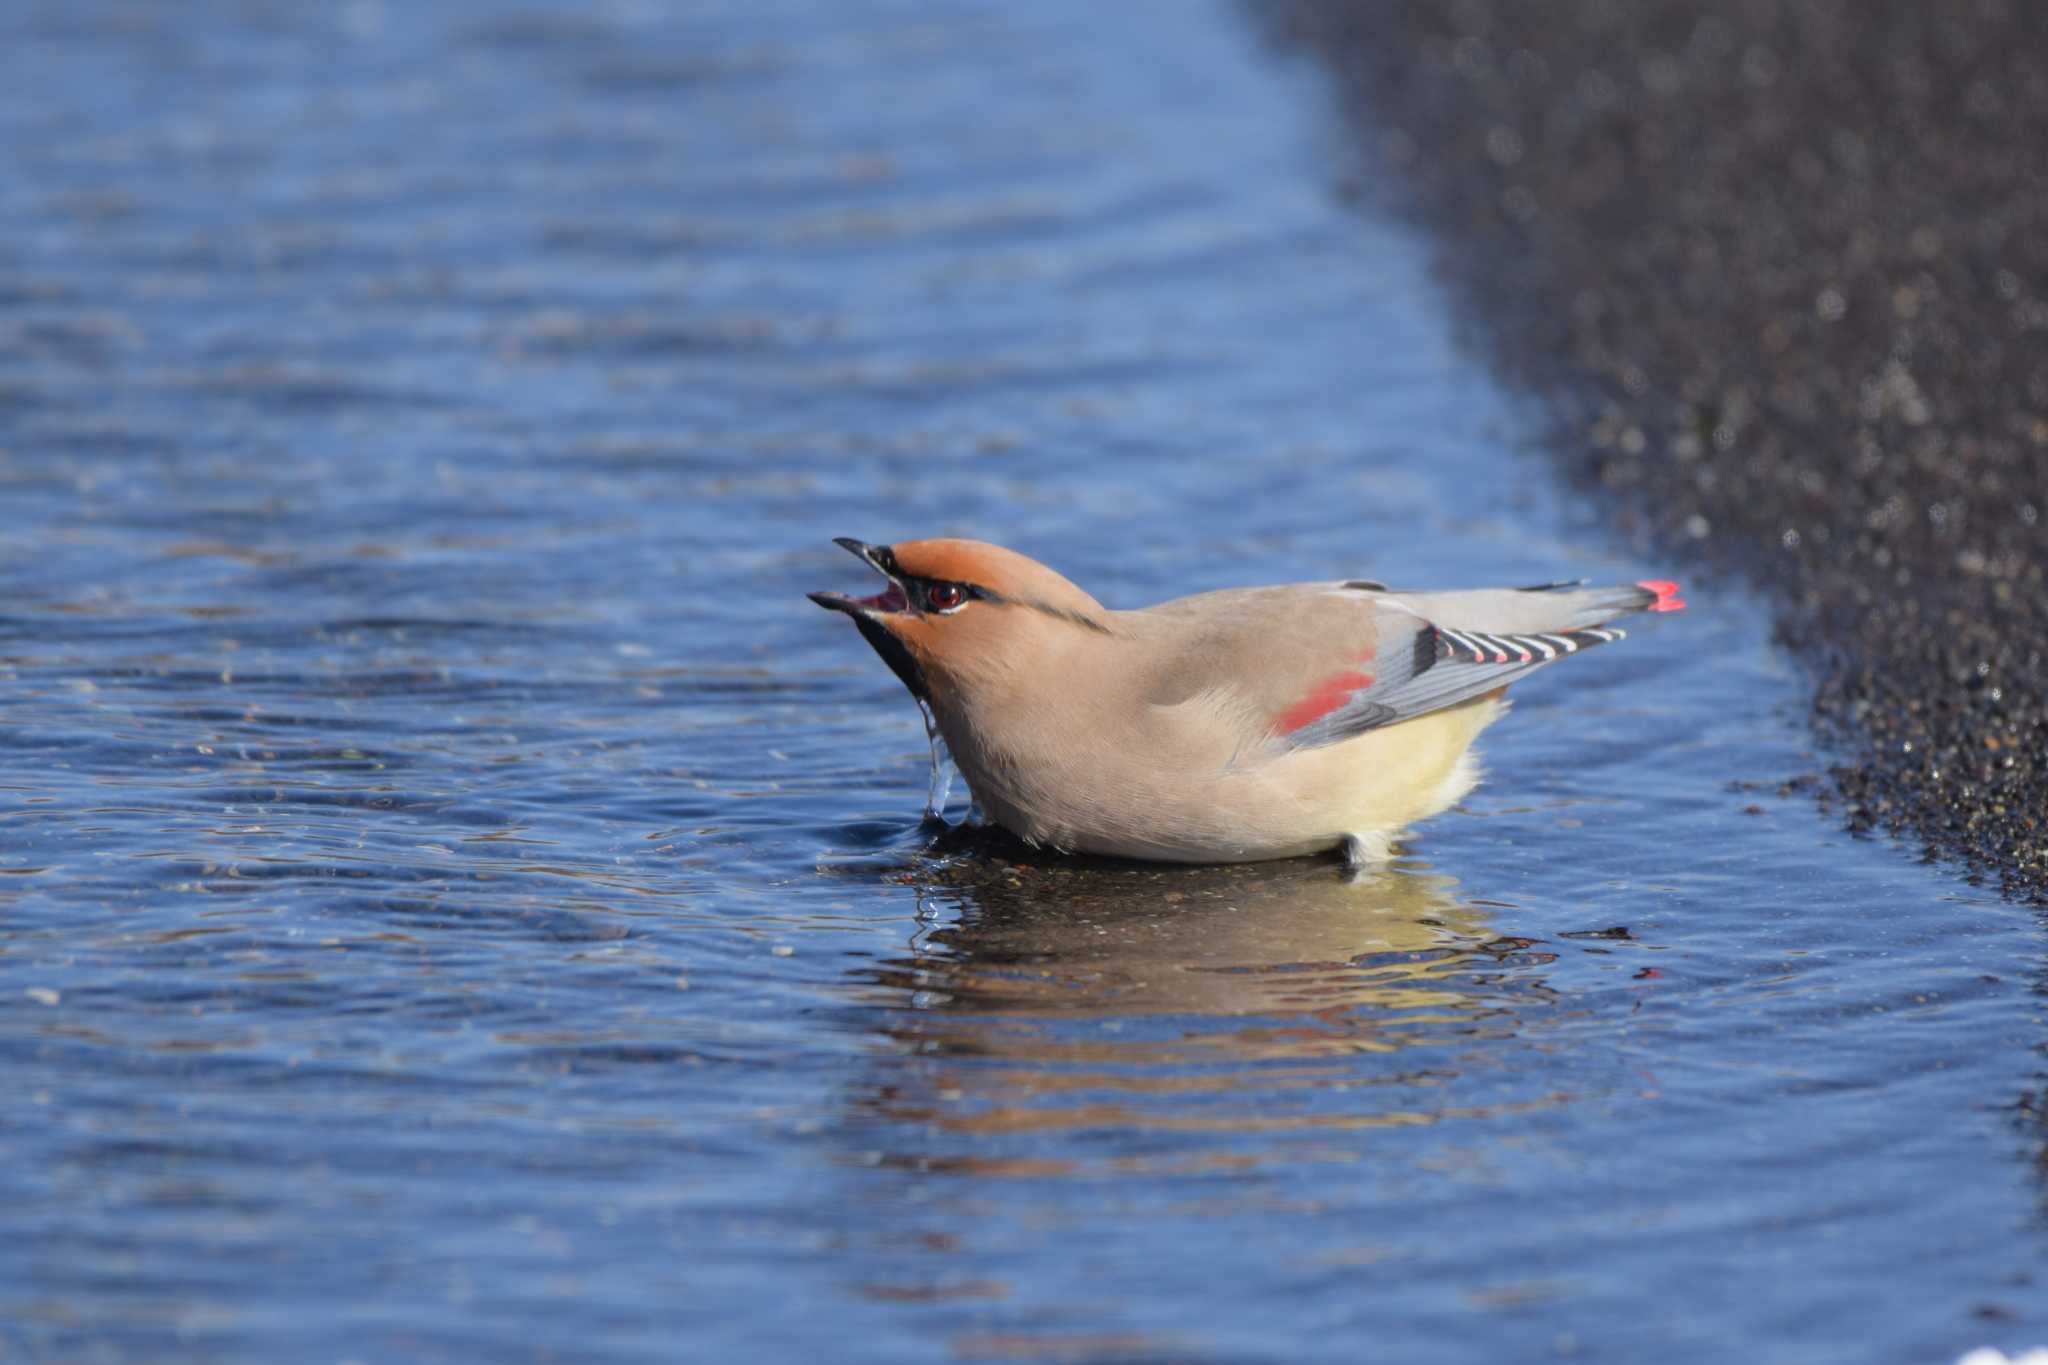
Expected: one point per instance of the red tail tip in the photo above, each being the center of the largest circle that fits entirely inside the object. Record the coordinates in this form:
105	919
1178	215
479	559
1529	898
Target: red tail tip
1667	595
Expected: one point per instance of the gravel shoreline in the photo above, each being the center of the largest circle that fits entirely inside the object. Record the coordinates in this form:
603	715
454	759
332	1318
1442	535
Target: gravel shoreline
1781	271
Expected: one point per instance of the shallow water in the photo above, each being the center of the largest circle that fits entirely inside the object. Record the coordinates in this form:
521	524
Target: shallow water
458	900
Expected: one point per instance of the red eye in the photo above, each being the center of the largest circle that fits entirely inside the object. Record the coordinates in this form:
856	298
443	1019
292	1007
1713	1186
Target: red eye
945	596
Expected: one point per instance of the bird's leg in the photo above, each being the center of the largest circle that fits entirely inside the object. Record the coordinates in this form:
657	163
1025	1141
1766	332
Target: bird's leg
1364	850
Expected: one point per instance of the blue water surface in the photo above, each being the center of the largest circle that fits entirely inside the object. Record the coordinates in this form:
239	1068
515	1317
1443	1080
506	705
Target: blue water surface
459	901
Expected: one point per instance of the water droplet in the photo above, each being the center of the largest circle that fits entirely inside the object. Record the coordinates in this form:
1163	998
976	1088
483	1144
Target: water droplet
942	766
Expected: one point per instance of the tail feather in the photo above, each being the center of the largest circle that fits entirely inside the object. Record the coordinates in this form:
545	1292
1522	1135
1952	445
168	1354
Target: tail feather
1667	594
1544	610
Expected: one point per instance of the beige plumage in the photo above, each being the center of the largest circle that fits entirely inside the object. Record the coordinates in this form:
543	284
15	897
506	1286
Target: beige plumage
1226	727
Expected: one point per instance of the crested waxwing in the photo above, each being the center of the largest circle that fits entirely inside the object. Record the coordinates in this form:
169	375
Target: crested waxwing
1225	727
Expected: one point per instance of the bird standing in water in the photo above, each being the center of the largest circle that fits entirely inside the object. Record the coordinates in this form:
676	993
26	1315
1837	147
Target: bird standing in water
1229	726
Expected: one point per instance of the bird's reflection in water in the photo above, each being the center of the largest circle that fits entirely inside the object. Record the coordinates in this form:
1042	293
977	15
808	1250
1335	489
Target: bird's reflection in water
1090	1006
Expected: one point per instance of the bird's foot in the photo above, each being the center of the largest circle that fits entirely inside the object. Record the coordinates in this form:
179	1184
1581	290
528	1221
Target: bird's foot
1365	850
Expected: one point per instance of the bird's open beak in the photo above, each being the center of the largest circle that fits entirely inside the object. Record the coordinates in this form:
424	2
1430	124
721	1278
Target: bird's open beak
877	557
868	613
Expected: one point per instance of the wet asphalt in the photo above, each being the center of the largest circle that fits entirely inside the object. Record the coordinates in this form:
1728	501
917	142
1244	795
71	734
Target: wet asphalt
1779	271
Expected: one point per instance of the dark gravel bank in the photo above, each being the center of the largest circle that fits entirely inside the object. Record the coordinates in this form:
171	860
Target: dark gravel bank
1784	267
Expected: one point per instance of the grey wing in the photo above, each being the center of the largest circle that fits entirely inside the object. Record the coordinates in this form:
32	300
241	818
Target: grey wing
1423	666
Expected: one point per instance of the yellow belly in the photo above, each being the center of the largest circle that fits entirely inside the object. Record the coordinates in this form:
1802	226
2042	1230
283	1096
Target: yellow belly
1364	790
1372	787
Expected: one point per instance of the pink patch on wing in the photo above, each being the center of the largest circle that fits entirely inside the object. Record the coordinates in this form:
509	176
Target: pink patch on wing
1329	694
1667	594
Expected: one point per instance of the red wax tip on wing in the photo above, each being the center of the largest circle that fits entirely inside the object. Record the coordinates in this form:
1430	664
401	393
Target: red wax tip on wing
1325	697
1667	594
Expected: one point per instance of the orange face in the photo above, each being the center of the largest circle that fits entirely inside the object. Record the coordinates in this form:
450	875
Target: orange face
954	605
